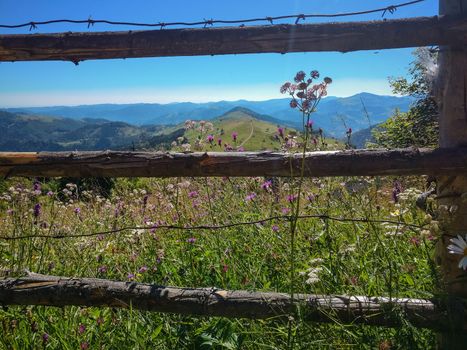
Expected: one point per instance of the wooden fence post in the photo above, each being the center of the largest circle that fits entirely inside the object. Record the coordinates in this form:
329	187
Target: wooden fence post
452	98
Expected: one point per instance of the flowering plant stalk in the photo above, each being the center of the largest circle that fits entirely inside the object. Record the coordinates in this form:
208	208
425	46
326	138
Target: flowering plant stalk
305	97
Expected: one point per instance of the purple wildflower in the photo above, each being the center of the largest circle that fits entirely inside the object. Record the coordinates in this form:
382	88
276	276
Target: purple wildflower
241	149
234	136
266	185
285	211
45	338
281	132
314	74
84	345
131	276
102	269
251	196
219	142
81	328
275	228
193	194
142	269
210	138
293	104
37	210
191	240
292	197
50	193
309	124
77	210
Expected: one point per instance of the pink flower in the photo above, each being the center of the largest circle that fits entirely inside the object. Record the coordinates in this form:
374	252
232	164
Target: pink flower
81	328
284	88
142	269
293	103
234	136
241	149
299	76
292	197
219	142
309	124
210	138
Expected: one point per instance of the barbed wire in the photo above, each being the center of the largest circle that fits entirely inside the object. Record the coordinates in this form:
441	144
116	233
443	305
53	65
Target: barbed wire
216	227
210	22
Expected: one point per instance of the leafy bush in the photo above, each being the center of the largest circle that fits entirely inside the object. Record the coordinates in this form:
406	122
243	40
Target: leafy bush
419	126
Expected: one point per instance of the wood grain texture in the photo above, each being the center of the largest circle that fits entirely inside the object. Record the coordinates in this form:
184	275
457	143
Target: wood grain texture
412	161
61	291
283	38
451	86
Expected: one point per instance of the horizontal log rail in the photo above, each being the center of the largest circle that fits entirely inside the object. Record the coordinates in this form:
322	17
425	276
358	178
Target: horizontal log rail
39	289
366	162
341	36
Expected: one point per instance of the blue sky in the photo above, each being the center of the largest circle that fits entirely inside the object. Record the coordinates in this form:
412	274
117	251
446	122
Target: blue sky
202	78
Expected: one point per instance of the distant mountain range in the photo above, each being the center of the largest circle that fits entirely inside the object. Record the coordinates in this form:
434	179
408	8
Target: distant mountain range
27	132
334	114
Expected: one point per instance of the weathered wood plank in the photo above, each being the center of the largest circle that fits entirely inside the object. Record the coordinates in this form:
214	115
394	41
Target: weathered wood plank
343	37
410	161
61	291
452	101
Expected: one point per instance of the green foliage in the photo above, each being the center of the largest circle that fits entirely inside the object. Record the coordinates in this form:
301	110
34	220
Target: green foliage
419	126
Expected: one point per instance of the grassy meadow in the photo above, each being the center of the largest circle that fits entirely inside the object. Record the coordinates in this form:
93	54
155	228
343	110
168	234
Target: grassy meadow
330	257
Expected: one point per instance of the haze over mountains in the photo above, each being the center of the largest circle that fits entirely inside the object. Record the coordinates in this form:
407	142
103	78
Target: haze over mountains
333	115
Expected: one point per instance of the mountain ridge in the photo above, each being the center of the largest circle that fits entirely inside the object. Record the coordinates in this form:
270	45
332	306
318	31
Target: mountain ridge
333	114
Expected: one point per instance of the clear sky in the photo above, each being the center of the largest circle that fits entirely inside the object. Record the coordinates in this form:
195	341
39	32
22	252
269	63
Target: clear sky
201	78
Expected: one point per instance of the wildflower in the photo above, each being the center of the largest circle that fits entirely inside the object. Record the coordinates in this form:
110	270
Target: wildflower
241	149
225	268
84	345
284	88
293	103
131	276
142	269
281	132
37	210
327	80
210	138
292	197
234	136
266	185
81	328
193	194
285	211
219	142
45	338
299	76
459	247
396	190
275	228
315	74
309	124
77	210
191	240
102	269
251	196
186	147
50	193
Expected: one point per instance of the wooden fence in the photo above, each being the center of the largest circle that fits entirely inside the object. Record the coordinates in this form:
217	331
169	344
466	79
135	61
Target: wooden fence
448	163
